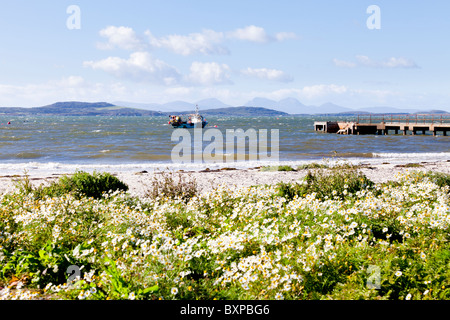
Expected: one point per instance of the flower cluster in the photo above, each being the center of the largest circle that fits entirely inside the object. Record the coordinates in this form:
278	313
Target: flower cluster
232	243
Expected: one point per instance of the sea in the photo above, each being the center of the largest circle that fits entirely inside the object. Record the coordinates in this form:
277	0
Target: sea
57	144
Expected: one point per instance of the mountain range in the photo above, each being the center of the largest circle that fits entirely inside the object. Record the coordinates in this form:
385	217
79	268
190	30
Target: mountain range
208	107
287	105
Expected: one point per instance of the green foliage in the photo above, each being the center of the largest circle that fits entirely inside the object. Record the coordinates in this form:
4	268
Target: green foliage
327	185
277	168
285	168
80	184
312	165
236	244
24	185
441	179
46	265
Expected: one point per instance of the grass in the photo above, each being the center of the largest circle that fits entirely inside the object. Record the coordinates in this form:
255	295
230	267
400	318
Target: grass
326	237
277	168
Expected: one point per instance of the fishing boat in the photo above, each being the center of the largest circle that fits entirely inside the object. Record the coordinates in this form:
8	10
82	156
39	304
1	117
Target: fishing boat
194	120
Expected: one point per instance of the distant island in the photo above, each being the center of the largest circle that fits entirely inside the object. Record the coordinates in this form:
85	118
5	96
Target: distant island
77	108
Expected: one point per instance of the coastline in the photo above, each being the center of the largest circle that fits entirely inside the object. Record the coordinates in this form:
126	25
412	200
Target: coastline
207	179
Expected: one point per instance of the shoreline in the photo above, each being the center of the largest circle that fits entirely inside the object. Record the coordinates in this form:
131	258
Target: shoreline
208	179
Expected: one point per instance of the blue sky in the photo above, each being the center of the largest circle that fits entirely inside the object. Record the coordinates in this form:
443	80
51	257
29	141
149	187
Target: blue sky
161	51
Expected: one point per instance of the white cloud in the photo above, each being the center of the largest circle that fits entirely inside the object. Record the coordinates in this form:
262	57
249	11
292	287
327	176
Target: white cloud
399	63
320	90
209	73
72	81
209	41
64	89
120	37
178	91
365	61
268	74
281	36
250	33
344	64
258	34
140	66
206	42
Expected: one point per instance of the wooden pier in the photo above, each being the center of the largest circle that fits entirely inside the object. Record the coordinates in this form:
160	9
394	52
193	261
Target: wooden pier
386	124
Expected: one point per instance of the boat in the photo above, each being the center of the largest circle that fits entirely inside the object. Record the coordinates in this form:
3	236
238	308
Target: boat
194	120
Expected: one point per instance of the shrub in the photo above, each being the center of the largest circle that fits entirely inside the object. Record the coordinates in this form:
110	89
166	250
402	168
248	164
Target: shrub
439	178
313	165
82	184
168	186
285	168
337	183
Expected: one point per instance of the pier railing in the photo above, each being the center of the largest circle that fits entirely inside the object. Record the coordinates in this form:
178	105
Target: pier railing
407	118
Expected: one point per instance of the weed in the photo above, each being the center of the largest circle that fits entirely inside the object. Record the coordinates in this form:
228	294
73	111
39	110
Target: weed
171	185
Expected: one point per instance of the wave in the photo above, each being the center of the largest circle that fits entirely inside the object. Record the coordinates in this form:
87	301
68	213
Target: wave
41	168
425	156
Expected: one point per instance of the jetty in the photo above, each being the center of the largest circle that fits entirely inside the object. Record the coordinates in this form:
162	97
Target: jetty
389	124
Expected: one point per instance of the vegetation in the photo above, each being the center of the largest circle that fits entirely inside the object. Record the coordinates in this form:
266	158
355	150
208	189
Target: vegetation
334	235
75	108
410	165
277	168
80	184
337	183
439	178
313	165
172	185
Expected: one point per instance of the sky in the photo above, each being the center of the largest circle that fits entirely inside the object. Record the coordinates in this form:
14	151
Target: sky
353	53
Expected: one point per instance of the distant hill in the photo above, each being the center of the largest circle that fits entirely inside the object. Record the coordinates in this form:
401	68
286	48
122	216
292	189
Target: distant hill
210	107
293	106
433	112
135	105
262	102
388	110
76	108
241	112
211	104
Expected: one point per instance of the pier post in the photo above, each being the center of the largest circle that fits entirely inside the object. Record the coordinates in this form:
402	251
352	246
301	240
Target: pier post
409	125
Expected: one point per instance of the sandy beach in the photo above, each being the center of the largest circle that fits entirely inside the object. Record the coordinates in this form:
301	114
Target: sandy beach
207	180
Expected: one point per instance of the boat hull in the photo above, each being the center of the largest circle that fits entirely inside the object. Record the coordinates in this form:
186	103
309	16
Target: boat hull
189	125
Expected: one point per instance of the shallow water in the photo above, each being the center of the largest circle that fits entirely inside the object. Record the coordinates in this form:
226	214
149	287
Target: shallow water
145	142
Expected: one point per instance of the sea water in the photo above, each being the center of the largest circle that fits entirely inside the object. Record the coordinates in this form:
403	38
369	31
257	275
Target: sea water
65	144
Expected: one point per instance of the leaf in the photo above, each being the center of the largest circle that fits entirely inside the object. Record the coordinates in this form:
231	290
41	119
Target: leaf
155	288
42	254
